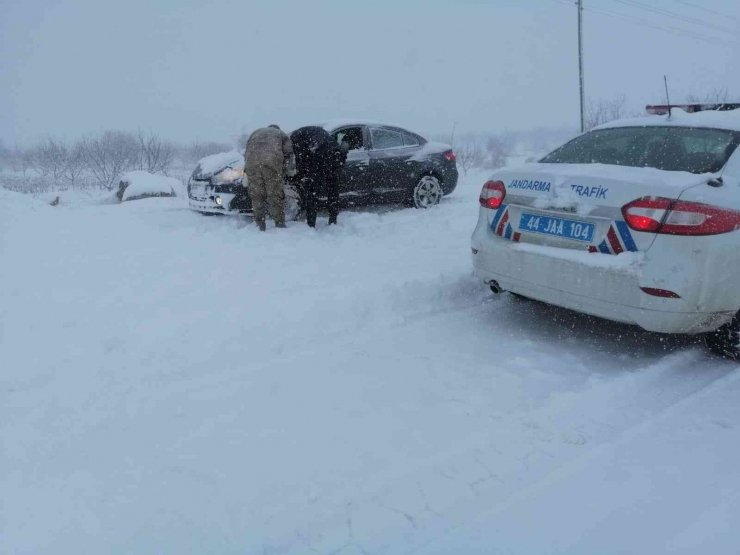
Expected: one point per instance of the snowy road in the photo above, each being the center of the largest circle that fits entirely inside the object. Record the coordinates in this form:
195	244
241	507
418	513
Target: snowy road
171	383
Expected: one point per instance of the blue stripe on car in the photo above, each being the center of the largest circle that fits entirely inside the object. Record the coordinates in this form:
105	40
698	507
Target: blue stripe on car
624	232
603	247
497	217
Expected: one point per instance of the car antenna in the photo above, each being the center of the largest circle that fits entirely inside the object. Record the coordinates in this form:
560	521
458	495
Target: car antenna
452	136
667	98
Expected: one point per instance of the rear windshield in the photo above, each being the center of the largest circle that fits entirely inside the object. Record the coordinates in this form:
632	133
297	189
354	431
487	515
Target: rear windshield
684	149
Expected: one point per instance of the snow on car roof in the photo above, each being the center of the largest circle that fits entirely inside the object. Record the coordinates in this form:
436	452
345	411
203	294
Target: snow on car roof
145	183
564	173
331	125
729	119
216	162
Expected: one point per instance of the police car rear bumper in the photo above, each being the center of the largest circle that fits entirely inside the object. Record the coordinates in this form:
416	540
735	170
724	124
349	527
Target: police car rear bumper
601	285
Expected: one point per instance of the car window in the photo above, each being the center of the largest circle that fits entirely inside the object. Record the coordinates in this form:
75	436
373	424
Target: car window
352	136
685	149
385	138
714	143
410	140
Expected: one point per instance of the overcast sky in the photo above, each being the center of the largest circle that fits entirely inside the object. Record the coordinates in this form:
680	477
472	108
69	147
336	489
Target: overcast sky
206	70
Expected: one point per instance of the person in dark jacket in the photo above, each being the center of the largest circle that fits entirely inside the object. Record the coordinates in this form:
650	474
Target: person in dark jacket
319	161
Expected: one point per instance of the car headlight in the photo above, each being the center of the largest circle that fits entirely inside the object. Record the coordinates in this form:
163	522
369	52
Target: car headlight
228	175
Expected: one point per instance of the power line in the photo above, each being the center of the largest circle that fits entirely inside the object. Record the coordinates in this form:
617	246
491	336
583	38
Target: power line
686	19
652	25
708	10
667	28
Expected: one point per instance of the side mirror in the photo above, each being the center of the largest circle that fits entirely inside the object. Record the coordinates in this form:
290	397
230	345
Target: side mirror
715	182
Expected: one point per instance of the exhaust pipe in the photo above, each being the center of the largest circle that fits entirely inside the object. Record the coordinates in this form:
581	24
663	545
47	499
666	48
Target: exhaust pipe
495	287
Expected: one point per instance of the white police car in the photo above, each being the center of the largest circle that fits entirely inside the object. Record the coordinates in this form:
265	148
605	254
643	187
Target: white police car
636	221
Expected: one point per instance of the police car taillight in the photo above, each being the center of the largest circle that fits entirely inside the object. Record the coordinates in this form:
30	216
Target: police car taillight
492	194
676	217
450	155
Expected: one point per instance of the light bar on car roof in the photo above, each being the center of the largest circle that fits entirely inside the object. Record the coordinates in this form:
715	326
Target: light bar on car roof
662	109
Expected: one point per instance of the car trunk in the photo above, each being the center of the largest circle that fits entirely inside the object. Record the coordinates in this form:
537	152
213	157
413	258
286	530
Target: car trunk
580	207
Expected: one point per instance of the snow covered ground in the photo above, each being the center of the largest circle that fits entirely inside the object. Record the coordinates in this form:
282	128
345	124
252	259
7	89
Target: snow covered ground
172	383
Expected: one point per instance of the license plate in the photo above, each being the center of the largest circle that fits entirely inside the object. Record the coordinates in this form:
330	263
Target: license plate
558	227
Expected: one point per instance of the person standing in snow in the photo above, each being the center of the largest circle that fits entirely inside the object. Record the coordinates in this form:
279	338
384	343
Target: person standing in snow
319	162
266	161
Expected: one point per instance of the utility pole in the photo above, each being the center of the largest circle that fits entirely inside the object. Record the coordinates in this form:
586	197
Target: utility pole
580	63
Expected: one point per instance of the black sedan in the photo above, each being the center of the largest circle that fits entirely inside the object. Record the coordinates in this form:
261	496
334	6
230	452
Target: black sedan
390	163
384	164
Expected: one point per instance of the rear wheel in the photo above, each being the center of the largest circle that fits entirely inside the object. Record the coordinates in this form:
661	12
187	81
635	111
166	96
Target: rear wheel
428	192
726	340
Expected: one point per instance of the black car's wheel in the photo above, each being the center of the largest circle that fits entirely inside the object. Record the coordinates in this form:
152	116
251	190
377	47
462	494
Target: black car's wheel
292	204
428	192
726	340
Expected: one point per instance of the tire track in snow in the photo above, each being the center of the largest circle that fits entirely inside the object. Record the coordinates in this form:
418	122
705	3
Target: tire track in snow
477	517
516	455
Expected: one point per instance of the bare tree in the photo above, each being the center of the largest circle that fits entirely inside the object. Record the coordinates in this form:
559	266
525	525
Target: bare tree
21	160
717	95
34	158
155	154
470	154
498	151
110	154
51	158
75	163
54	160
603	111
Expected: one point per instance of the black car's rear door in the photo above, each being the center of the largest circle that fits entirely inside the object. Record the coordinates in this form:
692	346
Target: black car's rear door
392	165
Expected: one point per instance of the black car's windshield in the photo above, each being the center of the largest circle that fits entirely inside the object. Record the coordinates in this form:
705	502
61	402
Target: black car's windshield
665	148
